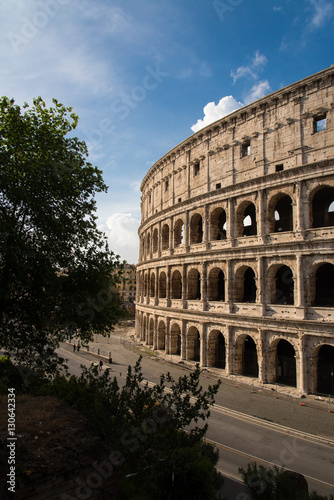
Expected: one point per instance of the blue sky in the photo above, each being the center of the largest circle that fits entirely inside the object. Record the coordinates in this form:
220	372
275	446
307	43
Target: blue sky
143	76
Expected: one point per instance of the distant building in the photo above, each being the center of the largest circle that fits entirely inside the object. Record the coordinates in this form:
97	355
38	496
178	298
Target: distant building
127	288
236	265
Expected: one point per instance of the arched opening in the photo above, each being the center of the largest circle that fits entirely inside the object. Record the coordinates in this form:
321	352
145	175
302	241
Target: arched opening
162	285
248	218
249	292
193	344
216	350
283	215
324	286
194	285
196	229
161	342
323	207
150	332
155	240
286	364
175	340
165	237
152	285
326	370
176	285
284	286
218	225
216	285
250	367
178	233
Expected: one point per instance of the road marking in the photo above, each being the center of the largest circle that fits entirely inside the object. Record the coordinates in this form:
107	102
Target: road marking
263	461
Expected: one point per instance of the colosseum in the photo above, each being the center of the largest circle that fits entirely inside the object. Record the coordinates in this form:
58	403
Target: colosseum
236	263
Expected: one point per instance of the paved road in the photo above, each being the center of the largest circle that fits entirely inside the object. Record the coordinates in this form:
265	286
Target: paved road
242	439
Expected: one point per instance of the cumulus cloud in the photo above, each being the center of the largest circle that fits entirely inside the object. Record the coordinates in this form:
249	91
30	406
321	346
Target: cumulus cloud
258	90
121	231
213	112
257	62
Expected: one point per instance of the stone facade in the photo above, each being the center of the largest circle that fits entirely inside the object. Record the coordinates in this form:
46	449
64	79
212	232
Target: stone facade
236	264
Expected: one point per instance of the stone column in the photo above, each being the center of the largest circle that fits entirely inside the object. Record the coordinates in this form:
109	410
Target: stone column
203	346
300	292
231	229
301	366
171	235
156	286
186	232
184	285
229	279
229	350
204	286
168	286
262	357
262	225
261	285
184	340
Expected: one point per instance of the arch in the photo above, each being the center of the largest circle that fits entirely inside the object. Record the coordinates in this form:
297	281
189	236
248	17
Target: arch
246	356
176	285
216	285
218	224
284	290
194	285
325	369
162	285
155	240
161	336
196	229
178	233
193	344
216	349
165	237
322	207
245	285
175	340
280	214
286	363
246	219
324	285
152	285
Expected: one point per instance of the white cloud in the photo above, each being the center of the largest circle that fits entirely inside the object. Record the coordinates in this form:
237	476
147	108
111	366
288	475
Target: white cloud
121	231
258	90
323	10
257	62
213	112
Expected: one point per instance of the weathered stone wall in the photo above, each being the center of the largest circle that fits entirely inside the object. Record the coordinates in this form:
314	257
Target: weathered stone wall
237	238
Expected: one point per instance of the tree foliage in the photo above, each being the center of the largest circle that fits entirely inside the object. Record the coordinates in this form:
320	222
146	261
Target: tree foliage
277	484
56	270
147	425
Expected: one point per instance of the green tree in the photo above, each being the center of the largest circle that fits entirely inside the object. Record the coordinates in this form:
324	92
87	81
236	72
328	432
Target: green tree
56	270
277	484
155	428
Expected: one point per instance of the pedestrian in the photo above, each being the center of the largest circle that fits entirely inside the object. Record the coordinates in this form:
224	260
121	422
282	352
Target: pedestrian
101	364
78	348
73	347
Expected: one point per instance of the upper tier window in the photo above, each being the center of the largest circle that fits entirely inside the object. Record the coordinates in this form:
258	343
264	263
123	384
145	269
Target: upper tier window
319	123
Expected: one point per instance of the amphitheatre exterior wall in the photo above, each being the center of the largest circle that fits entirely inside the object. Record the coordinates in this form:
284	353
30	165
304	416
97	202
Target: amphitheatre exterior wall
236	264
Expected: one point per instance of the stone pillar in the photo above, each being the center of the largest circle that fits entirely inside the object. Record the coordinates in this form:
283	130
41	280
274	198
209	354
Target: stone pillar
184	340
186	231
184	285
261	285
229	350
300	292
155	332
204	286
262	212
168	285
156	286
159	239
203	346
171	236
231	221
206	226
301	366
229	279
262	357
